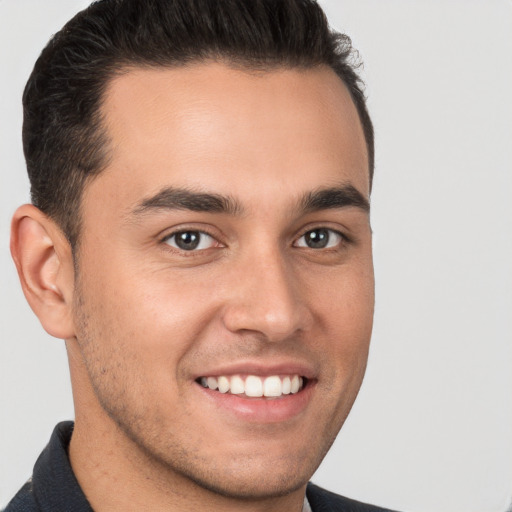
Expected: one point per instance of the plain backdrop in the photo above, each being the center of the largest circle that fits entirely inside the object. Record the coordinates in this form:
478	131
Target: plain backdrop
431	430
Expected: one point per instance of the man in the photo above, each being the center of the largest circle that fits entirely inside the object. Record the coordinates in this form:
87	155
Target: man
200	237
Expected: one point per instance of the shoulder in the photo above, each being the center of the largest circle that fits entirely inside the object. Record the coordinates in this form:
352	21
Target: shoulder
322	500
24	500
53	486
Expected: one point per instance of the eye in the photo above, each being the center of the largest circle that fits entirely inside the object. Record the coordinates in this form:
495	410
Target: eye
321	238
190	240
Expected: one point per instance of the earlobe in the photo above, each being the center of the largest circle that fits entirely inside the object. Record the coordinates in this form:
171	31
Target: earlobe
43	258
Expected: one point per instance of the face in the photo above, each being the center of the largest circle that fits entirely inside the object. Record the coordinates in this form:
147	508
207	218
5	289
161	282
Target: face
224	296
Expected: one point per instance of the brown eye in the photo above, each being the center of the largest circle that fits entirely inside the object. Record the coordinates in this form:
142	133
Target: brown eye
321	238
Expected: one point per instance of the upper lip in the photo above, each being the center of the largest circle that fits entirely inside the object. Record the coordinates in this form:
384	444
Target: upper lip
260	368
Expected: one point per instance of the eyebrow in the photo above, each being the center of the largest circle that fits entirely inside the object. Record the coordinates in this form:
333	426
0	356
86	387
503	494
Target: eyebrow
170	198
184	199
343	196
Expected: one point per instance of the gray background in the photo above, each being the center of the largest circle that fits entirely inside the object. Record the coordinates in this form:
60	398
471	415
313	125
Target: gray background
432	427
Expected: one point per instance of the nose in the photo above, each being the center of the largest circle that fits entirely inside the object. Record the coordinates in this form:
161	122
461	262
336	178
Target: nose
267	298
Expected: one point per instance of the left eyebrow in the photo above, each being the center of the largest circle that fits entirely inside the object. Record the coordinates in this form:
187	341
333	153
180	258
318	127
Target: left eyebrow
335	197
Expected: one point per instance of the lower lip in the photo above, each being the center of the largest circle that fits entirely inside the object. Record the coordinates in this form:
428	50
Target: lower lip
261	409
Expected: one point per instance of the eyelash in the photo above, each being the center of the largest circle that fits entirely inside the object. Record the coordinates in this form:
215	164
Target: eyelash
201	234
342	240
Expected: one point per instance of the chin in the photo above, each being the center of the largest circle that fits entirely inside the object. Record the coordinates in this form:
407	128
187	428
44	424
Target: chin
253	485
251	474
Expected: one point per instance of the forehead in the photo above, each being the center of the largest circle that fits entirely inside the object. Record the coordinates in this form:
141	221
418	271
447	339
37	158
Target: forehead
209	126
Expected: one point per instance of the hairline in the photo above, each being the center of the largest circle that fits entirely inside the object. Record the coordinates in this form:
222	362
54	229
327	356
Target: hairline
125	67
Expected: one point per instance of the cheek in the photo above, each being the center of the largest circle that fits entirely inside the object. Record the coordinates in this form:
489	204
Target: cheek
345	313
344	300
142	326
129	359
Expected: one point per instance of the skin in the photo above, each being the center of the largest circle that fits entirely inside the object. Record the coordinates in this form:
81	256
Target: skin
143	319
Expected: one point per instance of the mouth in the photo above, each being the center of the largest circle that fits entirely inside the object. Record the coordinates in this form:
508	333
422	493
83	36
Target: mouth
254	386
254	393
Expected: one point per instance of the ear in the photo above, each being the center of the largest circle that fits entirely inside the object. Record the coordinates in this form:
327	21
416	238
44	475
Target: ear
44	261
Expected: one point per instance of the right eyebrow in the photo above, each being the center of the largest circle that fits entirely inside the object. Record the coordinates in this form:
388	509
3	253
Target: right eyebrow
171	198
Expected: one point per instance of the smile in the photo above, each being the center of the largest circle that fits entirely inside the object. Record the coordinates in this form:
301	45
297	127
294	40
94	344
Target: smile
253	386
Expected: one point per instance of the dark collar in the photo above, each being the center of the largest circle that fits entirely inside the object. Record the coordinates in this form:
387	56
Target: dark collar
54	483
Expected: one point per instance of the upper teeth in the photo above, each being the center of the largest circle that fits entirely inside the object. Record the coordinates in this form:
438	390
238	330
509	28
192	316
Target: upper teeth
254	386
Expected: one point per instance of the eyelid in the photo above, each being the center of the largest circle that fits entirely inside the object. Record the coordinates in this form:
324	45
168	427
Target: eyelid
205	228
343	238
170	233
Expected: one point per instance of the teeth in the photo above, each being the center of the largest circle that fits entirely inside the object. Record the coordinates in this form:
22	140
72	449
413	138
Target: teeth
287	386
272	386
223	384
237	385
212	382
254	386
295	384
